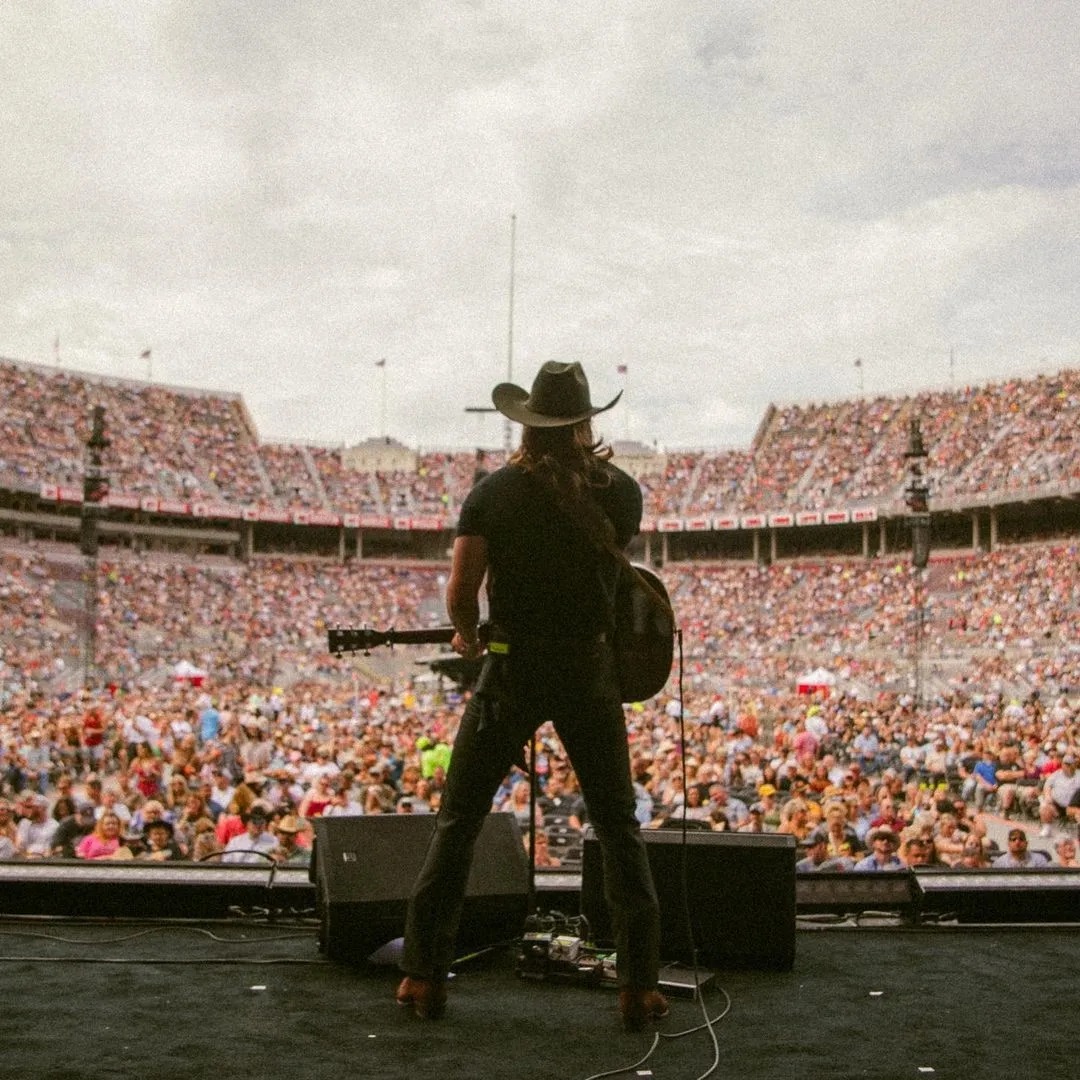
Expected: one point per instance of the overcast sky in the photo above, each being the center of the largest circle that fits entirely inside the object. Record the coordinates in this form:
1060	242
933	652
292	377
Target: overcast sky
735	200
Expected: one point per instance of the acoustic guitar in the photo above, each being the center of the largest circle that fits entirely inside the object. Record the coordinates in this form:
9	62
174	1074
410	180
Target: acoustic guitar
644	638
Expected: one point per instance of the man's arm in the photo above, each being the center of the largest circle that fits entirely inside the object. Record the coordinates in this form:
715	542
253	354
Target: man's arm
467	570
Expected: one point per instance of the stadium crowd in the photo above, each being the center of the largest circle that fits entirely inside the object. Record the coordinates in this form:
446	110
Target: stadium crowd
223	726
1016	435
277	732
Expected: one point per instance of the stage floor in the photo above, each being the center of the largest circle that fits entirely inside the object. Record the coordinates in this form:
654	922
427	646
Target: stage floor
238	999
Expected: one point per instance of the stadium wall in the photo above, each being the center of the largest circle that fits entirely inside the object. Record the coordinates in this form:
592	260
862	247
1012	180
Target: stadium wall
55	513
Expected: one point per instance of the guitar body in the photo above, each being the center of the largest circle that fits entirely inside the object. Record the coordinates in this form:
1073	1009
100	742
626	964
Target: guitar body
644	634
644	639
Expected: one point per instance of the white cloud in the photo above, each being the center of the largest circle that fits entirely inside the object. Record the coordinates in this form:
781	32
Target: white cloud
733	200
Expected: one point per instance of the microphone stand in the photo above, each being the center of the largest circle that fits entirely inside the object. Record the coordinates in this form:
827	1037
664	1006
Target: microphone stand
532	824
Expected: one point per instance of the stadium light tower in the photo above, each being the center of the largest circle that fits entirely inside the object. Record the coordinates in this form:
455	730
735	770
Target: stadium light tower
95	492
917	498
917	495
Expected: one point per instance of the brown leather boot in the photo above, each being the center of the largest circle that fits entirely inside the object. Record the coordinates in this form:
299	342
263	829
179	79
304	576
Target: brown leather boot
638	1007
426	996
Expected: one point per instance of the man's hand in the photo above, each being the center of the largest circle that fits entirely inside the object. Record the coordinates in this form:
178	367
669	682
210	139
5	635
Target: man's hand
470	649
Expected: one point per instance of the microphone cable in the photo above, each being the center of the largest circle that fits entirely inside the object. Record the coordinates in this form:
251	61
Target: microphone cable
684	880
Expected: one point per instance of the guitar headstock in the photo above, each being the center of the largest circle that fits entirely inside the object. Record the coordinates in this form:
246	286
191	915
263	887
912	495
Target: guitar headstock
351	639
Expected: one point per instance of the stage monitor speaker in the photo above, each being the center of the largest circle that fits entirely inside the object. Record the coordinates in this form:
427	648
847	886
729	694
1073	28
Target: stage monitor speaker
364	869
740	895
137	889
1046	895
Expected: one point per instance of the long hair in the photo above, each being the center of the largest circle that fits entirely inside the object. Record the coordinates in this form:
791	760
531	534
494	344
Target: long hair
99	825
569	461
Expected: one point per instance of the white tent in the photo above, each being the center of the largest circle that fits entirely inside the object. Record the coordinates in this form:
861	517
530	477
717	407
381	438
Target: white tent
187	672
818	681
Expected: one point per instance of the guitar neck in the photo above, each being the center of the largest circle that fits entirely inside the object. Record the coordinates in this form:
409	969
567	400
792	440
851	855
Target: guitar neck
433	635
361	639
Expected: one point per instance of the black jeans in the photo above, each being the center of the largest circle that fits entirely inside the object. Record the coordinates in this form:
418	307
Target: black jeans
572	686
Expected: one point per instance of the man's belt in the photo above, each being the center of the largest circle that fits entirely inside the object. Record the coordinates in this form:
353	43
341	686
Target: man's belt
499	641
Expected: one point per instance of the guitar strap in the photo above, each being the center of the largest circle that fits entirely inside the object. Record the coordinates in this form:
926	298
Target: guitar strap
619	563
598	530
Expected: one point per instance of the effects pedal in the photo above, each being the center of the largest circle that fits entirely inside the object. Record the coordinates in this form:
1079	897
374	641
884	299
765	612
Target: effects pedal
684	982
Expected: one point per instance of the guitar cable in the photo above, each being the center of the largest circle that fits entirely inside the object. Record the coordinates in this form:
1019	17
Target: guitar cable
641	1067
684	882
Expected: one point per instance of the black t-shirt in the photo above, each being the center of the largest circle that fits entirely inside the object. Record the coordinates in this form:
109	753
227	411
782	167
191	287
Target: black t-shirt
544	575
68	834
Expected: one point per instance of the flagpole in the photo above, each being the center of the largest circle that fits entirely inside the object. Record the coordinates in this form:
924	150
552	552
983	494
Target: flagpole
508	430
381	365
623	370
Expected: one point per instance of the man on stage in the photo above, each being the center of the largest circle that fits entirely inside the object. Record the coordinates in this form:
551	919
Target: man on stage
541	530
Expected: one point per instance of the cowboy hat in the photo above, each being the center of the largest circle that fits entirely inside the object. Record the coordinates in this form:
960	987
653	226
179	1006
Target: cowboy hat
559	397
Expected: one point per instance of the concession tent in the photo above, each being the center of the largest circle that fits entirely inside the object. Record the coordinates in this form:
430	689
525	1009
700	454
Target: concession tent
818	681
